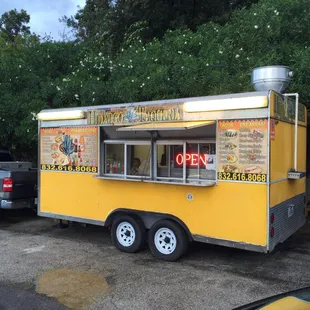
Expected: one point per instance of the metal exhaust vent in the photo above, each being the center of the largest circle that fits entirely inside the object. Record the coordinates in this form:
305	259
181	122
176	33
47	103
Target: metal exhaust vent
275	78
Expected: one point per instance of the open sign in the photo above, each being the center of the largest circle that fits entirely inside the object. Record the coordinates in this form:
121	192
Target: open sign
193	159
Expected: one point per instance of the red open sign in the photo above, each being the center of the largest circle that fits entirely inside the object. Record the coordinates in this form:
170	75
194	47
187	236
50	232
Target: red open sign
192	159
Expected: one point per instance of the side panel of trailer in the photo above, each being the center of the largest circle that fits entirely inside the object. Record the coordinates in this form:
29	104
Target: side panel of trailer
230	211
287	196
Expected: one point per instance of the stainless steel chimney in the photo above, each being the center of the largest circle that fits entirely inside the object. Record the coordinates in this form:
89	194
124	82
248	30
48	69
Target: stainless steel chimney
275	78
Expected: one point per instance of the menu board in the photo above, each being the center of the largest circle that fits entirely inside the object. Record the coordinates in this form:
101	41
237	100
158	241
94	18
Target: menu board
72	149
242	150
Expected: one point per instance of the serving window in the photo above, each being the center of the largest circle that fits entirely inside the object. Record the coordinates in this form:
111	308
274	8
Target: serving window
166	154
186	161
182	155
128	159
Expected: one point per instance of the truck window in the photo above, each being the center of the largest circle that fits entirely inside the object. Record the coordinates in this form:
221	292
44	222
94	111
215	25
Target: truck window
5	156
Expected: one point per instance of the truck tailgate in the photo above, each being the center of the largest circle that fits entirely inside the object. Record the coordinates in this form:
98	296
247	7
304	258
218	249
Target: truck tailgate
24	184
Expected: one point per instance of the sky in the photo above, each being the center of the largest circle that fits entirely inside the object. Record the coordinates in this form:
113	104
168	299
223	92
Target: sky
44	14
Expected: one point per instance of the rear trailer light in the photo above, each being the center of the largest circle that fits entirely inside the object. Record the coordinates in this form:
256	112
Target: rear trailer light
272	218
272	232
7	185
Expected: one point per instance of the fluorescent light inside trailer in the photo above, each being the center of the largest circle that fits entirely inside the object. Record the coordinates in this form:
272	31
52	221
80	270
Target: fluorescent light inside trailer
61	115
226	104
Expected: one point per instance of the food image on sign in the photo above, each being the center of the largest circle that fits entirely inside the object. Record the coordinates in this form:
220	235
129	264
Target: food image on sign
231	133
257	134
253	169
72	149
251	156
55	155
229	168
54	147
242	150
58	139
230	146
231	158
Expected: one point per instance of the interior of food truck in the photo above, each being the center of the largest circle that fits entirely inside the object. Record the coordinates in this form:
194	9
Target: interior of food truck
182	153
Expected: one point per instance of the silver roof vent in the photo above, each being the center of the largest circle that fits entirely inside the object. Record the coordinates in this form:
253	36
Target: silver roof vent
275	78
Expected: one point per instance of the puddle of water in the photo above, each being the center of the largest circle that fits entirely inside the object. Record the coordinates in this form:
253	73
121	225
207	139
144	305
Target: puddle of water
76	290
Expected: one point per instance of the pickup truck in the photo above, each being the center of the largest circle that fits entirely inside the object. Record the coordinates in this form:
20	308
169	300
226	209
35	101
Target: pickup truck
18	183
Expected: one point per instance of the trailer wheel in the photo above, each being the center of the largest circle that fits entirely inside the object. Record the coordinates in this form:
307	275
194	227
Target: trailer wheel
128	233
167	240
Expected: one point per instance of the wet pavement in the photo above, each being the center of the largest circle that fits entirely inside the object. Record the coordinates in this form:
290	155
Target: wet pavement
42	267
12	298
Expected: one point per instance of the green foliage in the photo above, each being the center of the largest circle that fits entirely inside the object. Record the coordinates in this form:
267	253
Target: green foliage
28	70
214	59
14	24
115	23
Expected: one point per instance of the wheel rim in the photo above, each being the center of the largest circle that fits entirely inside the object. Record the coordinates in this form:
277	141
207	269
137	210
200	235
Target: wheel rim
165	241
125	234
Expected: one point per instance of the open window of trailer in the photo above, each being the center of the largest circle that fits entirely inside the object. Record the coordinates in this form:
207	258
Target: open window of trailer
173	153
185	161
128	159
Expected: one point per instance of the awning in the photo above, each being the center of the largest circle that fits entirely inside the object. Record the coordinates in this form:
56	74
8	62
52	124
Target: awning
166	126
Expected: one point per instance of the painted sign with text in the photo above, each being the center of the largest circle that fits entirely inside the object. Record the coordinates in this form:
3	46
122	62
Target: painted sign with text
136	114
72	149
242	150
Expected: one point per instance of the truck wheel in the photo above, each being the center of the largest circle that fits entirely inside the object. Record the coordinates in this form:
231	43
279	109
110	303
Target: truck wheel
128	233
167	240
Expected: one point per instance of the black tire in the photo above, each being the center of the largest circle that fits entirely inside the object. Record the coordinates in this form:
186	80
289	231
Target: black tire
139	231
181	240
2	214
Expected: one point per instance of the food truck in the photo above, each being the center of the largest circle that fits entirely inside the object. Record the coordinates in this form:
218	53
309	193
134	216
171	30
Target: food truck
226	170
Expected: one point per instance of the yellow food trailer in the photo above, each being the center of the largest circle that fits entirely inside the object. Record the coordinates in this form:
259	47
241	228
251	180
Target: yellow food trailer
226	170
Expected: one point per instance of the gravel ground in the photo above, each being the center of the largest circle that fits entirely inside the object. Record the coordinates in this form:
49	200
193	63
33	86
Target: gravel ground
79	268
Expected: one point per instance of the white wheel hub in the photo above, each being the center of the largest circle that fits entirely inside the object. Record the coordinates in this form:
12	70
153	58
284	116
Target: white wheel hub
165	241
125	234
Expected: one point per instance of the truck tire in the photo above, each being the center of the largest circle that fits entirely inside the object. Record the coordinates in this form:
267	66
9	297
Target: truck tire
167	240
128	233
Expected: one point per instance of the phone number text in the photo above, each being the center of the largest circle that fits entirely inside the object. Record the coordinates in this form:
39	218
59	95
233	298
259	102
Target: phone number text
246	177
70	168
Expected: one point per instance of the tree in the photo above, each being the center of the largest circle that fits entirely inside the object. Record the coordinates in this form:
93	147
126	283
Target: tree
14	24
93	24
110	24
213	59
29	73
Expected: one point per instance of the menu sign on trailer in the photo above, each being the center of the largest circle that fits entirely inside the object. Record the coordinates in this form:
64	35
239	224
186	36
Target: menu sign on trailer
242	150
73	149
